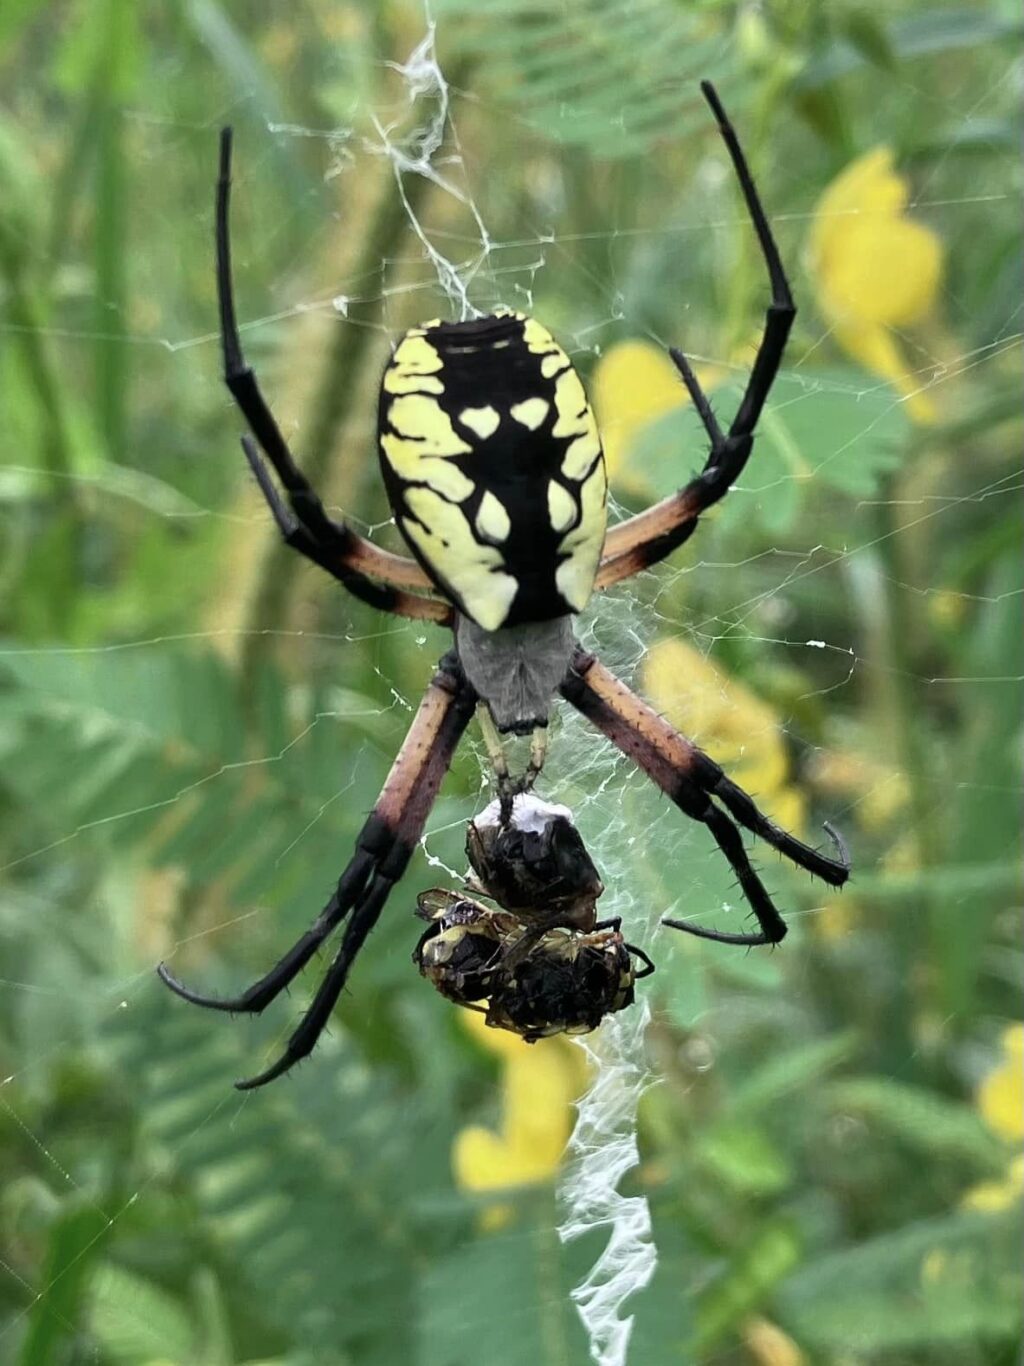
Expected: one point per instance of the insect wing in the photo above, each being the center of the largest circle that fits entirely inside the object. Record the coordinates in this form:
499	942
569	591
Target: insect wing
439	903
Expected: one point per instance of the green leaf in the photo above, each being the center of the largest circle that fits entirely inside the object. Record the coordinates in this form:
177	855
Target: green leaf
917	1117
790	1072
15	15
749	1282
869	37
916	35
519	1279
76	1241
744	1160
828	430
593	75
135	1320
937	1281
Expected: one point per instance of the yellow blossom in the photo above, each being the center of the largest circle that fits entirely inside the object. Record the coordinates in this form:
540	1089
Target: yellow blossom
993	1196
1001	1102
1001	1094
946	608
738	729
875	269
635	384
280	44
837	919
540	1083
881	791
768	1345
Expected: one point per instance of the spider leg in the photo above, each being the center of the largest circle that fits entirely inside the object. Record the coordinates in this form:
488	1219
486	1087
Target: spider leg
645	539
615	924
311	1026
351	887
730	841
639	953
334	541
300	538
383	850
742	808
690	779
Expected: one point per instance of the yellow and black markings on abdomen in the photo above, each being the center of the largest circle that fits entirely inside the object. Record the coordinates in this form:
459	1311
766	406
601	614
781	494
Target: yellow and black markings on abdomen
493	467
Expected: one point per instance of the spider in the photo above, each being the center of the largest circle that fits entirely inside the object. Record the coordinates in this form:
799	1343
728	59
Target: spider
493	467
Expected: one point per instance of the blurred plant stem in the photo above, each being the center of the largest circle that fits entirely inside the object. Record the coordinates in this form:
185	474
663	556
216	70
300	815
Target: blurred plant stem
28	314
910	739
111	295
352	345
897	725
113	77
28	317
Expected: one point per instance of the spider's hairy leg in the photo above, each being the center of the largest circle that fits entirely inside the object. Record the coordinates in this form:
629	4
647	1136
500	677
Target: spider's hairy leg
384	848
509	787
333	541
637	721
781	310
690	779
648	964
740	805
538	753
647	538
492	742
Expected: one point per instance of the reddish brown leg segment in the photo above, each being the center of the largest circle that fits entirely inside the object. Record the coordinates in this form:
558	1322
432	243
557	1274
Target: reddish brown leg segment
383	850
691	779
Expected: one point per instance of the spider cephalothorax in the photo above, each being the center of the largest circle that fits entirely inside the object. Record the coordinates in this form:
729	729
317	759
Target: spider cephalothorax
492	463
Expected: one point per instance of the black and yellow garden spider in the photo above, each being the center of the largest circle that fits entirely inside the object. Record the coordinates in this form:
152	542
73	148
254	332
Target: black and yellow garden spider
493	467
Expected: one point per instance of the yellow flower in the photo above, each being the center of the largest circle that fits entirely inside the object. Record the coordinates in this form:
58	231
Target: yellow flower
881	791
1001	1102
737	729
540	1083
947	608
1001	1094
875	269
768	1345
993	1196
635	384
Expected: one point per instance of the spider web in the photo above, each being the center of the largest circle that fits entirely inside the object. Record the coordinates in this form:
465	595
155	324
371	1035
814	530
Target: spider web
471	269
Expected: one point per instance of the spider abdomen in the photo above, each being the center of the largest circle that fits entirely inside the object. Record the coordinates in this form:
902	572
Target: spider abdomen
493	467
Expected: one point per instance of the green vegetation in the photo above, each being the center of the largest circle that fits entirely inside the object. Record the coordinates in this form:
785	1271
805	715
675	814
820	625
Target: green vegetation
194	723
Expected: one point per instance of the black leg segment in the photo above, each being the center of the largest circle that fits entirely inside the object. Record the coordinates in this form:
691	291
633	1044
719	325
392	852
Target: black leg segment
307	528
646	539
690	779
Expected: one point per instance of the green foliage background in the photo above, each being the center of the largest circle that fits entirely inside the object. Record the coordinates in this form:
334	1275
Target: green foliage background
193	724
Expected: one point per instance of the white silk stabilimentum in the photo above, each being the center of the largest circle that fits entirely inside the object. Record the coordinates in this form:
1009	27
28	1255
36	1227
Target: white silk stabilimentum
602	1149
